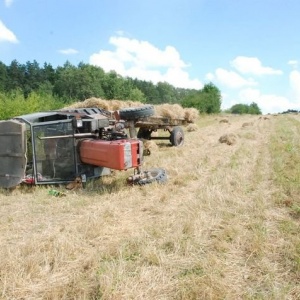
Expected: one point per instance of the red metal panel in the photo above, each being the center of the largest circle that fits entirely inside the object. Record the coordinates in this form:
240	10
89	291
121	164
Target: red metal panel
118	155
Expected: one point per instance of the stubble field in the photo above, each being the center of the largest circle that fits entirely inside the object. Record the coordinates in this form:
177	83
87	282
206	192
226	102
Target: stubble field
224	226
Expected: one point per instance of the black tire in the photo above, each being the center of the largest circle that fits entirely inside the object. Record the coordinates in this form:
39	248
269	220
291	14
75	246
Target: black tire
144	133
134	113
156	175
177	136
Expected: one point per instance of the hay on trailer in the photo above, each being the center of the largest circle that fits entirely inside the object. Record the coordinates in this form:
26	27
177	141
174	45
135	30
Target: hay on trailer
172	111
191	114
91	102
110	105
119	104
229	139
192	127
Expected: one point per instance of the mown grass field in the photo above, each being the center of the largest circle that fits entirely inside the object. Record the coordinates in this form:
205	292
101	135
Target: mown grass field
225	226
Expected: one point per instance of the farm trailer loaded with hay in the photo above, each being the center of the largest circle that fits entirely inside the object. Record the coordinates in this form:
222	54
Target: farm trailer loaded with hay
58	146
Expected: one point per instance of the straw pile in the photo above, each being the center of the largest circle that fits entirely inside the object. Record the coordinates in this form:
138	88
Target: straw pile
110	105
172	111
191	114
247	124
229	139
150	145
192	127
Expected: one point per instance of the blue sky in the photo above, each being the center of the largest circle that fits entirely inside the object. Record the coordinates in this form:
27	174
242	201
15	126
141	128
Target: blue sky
250	49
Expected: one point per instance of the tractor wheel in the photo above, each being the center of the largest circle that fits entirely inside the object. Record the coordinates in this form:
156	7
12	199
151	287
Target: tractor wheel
177	136
144	133
155	175
134	113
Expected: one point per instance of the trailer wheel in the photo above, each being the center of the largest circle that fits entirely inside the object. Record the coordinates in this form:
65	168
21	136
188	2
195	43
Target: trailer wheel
144	133
134	113
177	136
154	175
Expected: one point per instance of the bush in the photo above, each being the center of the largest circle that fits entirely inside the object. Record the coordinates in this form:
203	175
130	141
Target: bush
14	103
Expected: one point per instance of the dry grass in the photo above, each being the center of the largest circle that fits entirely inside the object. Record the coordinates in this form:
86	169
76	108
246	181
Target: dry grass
221	228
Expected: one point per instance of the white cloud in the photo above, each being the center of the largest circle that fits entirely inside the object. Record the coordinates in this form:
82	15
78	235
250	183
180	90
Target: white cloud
210	76
295	86
7	35
293	63
68	51
252	65
268	103
232	79
8	3
142	60
239	89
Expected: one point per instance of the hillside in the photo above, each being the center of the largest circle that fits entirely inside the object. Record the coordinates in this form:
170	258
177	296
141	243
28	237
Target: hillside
224	226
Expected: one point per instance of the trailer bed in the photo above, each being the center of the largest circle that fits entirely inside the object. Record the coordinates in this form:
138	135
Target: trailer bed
159	123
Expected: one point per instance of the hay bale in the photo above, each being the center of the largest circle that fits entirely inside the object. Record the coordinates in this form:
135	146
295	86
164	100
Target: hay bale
172	111
97	102
110	105
224	121
149	146
119	104
191	114
229	139
247	124
91	102
192	127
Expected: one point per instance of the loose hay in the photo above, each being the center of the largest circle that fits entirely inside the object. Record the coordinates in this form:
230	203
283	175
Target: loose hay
173	111
192	127
110	105
247	124
224	121
151	145
191	114
229	139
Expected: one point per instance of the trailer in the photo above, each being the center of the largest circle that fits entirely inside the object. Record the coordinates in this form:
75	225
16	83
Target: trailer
153	124
147	123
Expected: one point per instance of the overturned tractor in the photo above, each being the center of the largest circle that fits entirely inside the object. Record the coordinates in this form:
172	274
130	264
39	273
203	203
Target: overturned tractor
57	146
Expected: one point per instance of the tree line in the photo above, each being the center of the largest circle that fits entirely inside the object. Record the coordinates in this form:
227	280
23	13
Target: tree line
251	109
77	83
34	88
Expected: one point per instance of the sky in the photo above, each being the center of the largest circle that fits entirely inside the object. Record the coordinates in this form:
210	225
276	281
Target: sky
249	49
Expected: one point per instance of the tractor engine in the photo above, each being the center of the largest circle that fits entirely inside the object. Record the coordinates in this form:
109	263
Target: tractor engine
118	155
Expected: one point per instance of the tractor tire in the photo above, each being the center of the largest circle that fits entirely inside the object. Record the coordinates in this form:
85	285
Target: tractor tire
157	175
144	133
177	136
134	113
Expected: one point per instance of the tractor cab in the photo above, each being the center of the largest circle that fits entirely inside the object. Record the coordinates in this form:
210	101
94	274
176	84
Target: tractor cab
41	148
